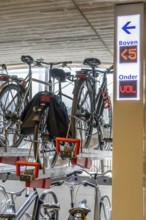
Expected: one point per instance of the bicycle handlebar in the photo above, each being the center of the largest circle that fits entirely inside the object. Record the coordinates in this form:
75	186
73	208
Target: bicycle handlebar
29	60
57	183
64	63
74	173
94	175
17	193
108	70
86	183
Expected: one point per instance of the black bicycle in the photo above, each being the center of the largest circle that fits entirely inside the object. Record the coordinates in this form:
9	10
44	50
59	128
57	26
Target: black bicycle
91	108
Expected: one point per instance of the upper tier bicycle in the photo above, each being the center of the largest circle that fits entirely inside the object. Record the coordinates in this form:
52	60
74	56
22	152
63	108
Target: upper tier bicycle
91	106
14	97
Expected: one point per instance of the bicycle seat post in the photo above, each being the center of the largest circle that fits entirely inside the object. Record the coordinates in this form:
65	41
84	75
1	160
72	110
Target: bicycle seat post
30	77
13	203
72	195
50	80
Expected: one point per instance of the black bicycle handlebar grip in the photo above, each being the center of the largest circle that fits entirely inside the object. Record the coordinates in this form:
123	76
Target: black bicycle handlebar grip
111	68
57	183
74	173
27	59
7	177
88	184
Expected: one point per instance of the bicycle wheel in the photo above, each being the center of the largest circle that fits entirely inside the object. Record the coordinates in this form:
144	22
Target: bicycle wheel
10	102
105	129
47	209
82	112
105	208
44	148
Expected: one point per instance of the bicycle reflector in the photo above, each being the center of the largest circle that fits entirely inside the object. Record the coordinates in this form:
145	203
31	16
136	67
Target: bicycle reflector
44	98
28	174
4	78
67	147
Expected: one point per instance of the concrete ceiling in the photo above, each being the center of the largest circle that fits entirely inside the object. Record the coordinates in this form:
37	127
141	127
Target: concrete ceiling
57	30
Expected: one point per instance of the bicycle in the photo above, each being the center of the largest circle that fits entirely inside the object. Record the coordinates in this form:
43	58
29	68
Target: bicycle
5	81
45	205
19	97
92	107
102	204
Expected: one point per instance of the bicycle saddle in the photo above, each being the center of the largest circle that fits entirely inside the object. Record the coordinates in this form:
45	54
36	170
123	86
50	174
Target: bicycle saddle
92	62
81	210
51	206
59	74
27	59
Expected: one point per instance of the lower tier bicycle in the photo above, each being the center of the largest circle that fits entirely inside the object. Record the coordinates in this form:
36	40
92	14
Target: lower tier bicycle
45	205
102	204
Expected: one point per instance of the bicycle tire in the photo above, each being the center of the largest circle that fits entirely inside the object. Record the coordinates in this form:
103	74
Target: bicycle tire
105	129
10	98
48	197
82	112
44	148
105	208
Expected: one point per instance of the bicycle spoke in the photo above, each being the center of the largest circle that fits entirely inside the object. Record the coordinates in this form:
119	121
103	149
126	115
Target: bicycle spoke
44	148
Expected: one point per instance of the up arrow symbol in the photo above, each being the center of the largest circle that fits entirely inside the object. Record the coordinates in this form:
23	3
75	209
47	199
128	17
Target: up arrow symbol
126	27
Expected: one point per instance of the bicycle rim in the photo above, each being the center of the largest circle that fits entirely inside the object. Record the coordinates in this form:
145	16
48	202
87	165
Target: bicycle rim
44	148
104	129
48	197
10	100
105	208
82	109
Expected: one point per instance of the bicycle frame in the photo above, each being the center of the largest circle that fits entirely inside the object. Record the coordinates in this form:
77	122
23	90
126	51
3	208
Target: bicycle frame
28	91
33	197
12	213
98	97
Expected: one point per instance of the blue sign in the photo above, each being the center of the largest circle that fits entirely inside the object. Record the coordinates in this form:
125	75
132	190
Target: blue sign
126	27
